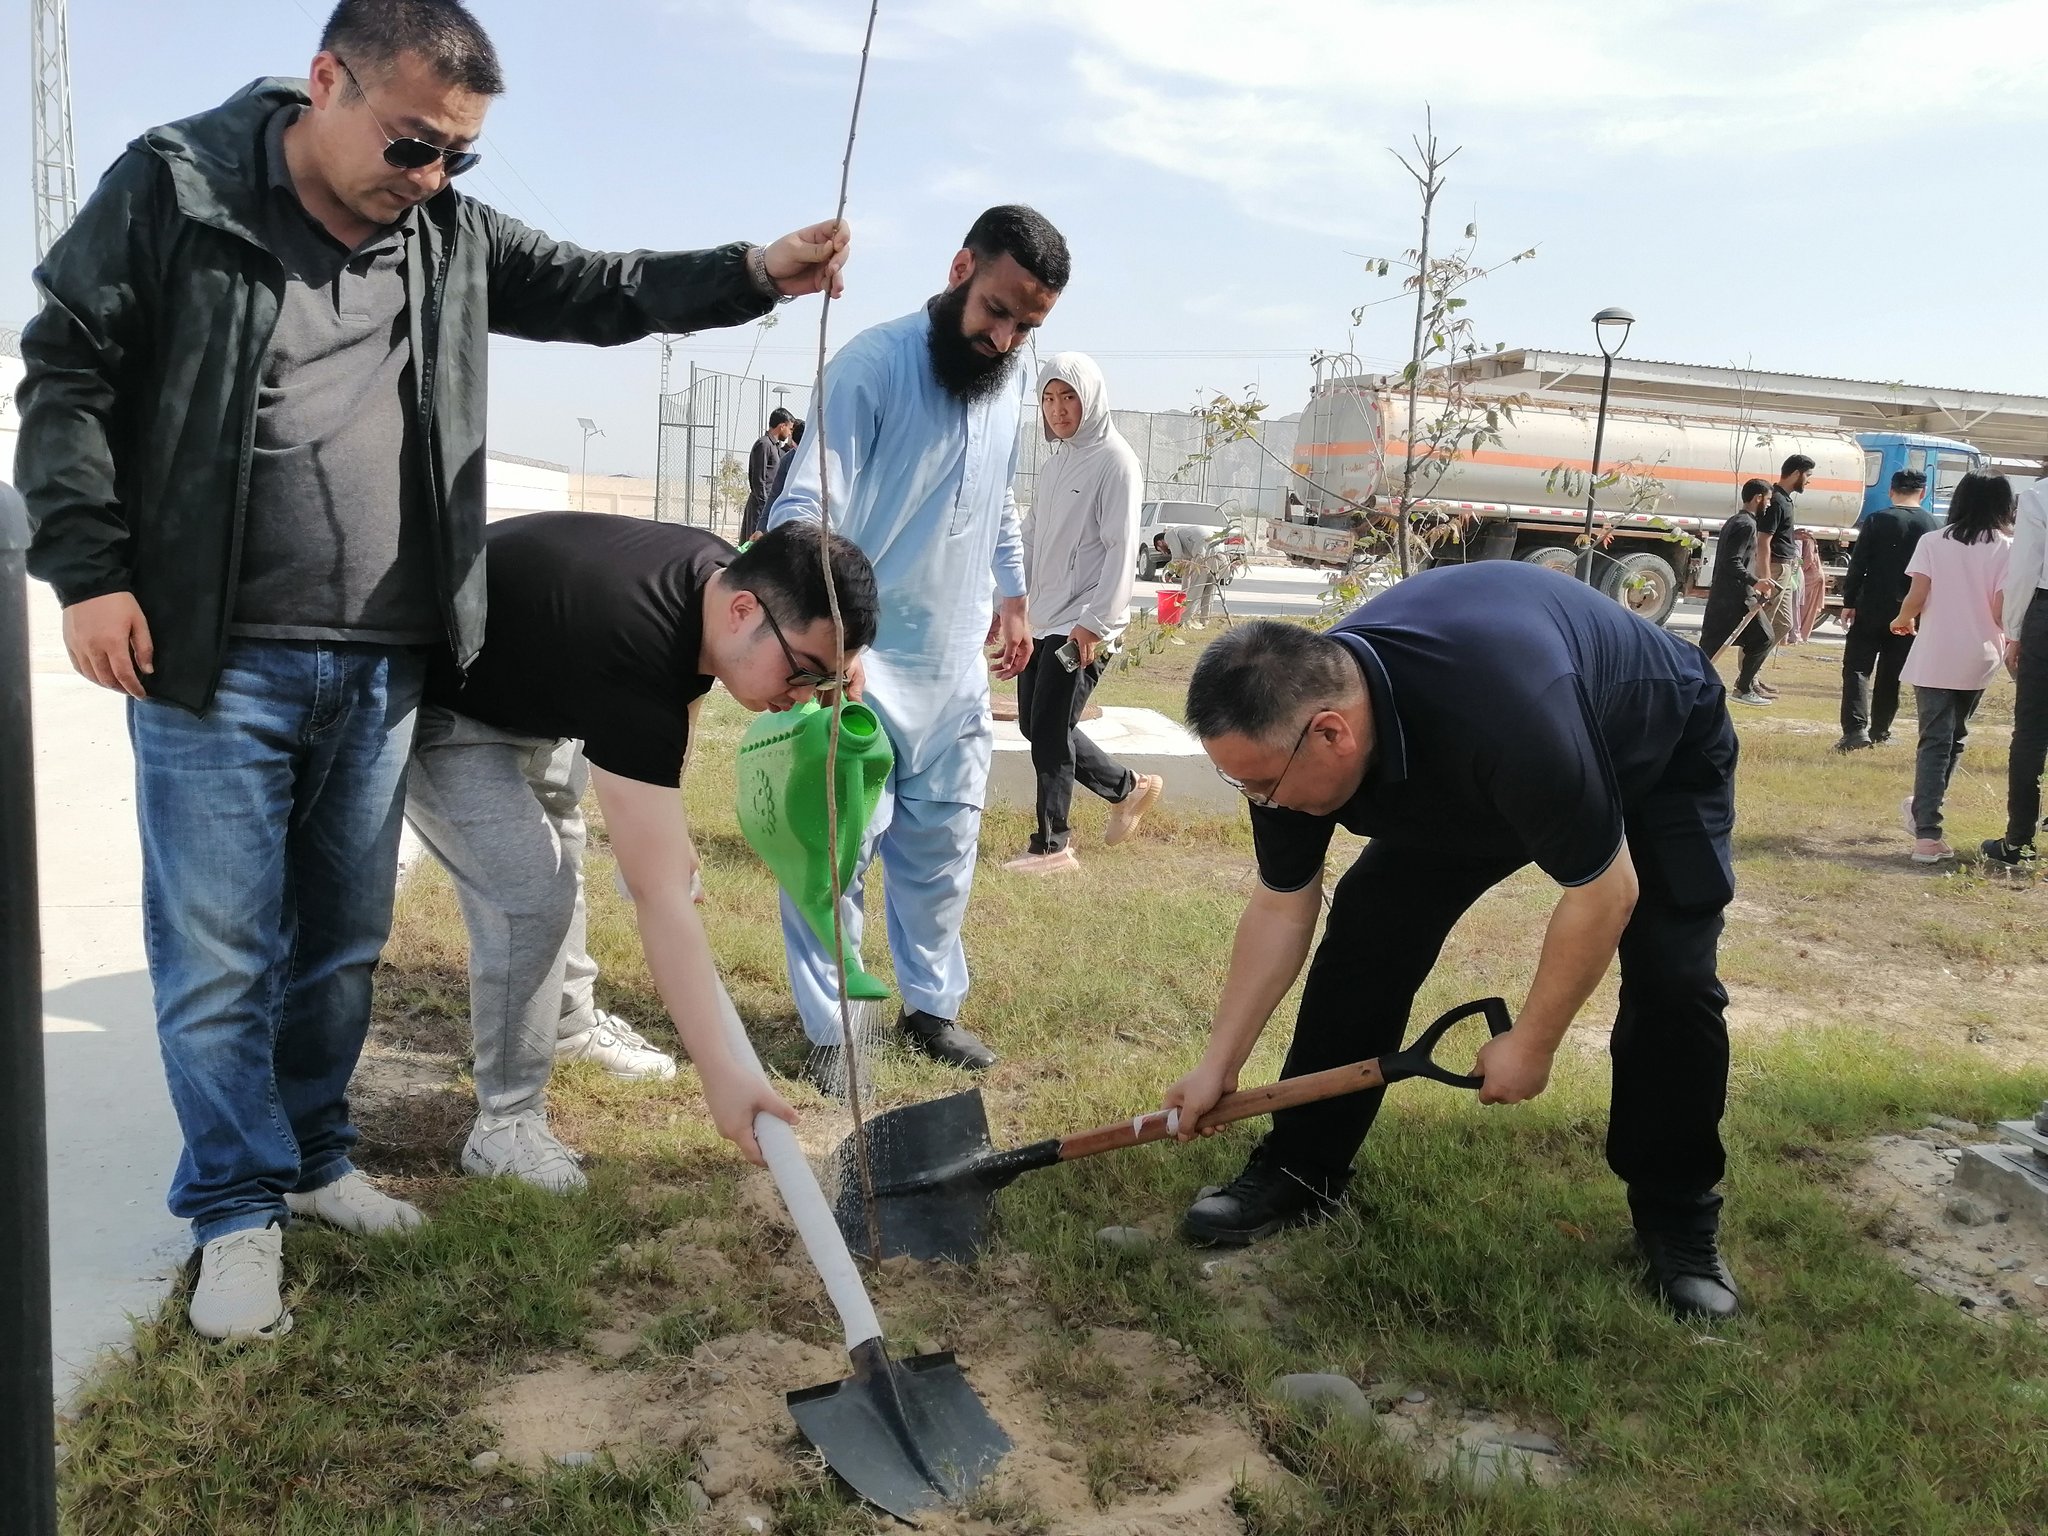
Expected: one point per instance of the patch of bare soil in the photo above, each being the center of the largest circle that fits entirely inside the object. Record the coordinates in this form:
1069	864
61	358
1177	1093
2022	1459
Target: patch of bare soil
725	1403
1983	1262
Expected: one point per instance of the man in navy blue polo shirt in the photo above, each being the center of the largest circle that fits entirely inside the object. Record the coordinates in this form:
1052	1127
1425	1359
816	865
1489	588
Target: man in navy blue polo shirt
1473	720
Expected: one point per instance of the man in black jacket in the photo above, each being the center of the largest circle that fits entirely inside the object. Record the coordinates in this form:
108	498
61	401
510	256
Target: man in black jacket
252	445
1734	587
1871	593
1778	556
769	452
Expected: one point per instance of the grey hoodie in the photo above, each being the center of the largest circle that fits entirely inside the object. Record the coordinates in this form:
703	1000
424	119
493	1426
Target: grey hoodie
1081	539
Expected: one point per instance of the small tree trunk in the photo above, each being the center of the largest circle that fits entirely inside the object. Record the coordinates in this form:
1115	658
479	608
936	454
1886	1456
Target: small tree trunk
1429	188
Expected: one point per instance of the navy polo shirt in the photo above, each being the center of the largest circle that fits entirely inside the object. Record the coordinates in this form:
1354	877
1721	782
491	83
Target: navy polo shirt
1520	716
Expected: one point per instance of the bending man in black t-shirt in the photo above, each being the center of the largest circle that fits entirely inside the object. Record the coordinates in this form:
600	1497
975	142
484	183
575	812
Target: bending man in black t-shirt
1473	720
603	632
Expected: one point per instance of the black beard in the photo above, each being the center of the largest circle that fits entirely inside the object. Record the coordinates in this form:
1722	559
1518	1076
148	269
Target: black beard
962	372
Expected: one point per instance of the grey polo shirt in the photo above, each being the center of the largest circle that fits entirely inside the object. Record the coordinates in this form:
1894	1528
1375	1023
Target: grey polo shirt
337	542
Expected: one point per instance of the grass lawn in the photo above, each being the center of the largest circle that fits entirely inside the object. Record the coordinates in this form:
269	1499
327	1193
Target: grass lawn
1482	1264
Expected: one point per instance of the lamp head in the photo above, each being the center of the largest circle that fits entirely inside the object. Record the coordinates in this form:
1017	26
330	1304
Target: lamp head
1610	329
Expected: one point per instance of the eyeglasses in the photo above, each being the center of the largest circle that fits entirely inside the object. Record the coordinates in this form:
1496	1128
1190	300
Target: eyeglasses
1265	801
800	676
411	154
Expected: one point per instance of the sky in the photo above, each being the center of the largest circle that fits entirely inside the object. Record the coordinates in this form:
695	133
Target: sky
1845	187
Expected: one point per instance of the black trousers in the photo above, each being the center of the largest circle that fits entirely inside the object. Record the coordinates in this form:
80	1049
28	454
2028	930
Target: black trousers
1723	613
1395	907
1049	704
2029	728
1871	659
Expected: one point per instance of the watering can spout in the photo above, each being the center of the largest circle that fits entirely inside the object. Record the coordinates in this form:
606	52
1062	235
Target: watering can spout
783	763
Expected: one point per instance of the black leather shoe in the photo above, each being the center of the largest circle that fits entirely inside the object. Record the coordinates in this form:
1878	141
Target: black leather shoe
1264	1199
1855	744
943	1040
1688	1273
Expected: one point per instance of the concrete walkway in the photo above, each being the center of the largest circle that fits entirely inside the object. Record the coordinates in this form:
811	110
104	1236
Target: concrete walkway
112	1138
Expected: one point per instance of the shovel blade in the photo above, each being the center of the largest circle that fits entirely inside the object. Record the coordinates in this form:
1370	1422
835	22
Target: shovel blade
928	1208
905	1435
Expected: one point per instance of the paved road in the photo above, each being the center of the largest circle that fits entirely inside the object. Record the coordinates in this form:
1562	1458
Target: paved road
1286	591
112	1139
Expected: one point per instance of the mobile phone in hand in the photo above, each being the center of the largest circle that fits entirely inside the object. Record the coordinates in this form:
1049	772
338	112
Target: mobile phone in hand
1069	655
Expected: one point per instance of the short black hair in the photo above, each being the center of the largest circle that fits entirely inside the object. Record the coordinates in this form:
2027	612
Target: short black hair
796	430
779	417
781	568
1751	489
1981	506
1260	680
1795	464
1027	237
1908	480
371	34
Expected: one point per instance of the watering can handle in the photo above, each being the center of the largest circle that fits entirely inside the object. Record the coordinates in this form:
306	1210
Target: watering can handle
806	1202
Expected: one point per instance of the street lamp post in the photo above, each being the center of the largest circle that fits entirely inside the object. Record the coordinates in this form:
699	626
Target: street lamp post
1610	329
590	429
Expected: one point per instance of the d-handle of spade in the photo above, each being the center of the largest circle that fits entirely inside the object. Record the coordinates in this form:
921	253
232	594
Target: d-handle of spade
808	1209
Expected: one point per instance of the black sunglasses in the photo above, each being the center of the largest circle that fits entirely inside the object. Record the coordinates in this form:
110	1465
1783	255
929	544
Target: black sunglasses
411	154
800	676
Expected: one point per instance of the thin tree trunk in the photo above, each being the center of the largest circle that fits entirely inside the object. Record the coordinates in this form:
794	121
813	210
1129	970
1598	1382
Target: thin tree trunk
1429	164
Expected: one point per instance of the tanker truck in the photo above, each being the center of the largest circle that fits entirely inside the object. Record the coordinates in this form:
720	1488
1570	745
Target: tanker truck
1524	496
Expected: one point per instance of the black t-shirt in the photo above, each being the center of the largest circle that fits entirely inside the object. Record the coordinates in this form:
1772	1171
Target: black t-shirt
1520	716
1776	520
593	632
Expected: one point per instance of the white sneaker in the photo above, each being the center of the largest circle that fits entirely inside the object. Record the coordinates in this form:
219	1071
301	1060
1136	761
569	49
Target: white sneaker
1756	700
618	1048
521	1147
354	1204
240	1290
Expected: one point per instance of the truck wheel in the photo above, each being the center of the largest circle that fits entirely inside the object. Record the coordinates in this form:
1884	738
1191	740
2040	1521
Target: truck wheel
1643	583
1553	557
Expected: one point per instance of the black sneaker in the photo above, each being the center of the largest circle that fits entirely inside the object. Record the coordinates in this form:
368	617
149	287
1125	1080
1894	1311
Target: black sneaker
1264	1199
1880	738
1855	744
1687	1271
943	1040
1997	850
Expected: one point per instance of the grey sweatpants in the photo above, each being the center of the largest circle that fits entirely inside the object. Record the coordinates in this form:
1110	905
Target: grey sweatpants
503	815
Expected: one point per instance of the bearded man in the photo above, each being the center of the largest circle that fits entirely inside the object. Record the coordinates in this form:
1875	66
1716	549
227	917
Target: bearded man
919	439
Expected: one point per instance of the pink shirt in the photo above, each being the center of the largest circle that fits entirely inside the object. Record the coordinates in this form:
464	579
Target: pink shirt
1962	642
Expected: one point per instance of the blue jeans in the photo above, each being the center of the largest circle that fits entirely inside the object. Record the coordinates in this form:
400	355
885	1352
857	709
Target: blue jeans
269	856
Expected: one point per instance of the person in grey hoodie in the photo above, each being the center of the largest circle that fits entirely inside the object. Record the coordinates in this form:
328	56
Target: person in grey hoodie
1080	551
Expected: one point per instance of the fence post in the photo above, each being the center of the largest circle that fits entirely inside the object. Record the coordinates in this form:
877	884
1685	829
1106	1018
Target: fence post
28	1458
690	452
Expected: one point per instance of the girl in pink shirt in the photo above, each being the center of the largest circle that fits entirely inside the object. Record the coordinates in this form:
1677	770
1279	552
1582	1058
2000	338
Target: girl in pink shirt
1955	607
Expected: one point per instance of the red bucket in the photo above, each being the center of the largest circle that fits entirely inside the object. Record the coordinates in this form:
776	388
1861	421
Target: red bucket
1172	603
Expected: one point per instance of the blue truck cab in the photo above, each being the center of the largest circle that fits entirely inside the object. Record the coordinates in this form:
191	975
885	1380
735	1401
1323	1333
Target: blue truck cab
1943	460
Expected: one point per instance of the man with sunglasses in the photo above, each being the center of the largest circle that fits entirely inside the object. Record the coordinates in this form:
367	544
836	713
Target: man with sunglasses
604	633
1471	721
252	445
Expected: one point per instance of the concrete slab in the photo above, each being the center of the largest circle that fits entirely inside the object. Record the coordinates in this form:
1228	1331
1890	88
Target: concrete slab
1143	740
112	1137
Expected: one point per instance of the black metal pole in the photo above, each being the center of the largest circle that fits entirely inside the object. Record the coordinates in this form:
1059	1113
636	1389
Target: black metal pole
28	1429
1593	480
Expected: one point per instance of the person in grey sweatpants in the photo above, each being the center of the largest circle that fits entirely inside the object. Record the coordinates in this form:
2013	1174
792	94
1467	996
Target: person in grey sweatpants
604	633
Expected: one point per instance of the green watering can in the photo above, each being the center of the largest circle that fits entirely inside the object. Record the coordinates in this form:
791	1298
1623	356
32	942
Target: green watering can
782	809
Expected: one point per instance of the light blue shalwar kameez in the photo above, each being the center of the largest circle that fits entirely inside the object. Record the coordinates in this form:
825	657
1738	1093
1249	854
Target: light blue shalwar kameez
921	482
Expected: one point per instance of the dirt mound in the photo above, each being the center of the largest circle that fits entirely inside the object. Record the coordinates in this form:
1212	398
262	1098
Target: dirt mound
725	1402
1984	1263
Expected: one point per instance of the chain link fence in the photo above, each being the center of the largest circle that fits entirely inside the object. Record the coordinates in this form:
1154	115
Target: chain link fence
708	428
706	431
1247	480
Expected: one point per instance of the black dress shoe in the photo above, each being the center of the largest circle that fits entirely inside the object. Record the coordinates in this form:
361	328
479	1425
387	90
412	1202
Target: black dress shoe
943	1040
1264	1199
1855	744
1688	1273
